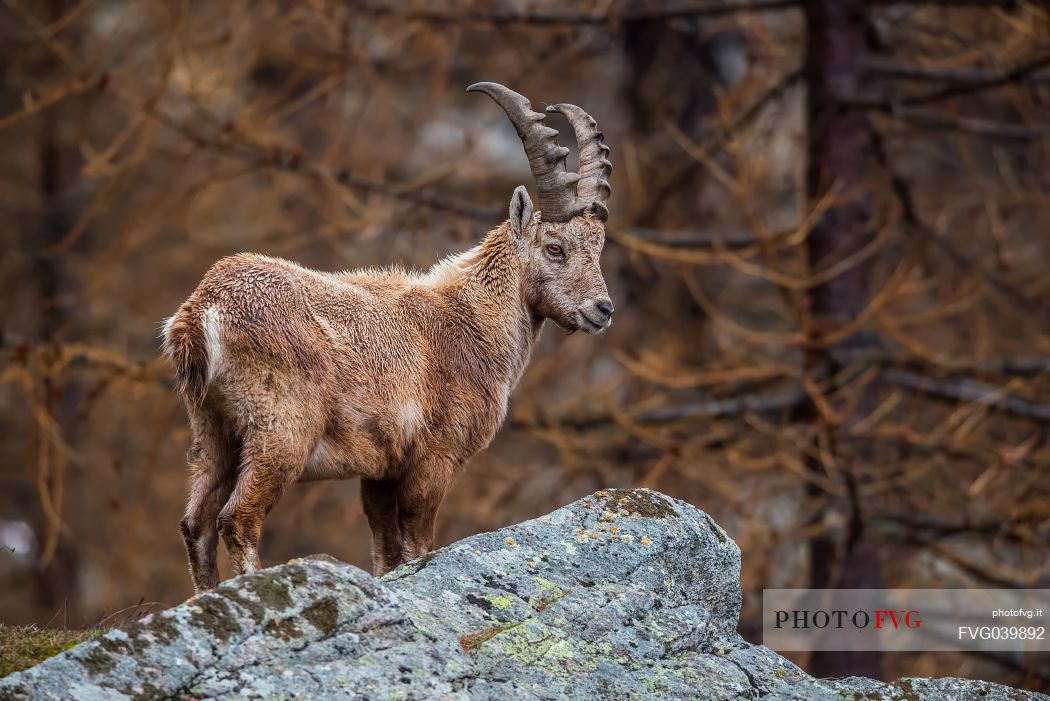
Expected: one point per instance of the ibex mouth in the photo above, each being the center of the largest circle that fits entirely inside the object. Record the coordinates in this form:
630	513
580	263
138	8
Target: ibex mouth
591	326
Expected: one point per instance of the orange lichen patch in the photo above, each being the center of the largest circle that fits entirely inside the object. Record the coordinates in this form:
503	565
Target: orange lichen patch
611	514
511	543
471	641
583	535
541	604
645	541
613	529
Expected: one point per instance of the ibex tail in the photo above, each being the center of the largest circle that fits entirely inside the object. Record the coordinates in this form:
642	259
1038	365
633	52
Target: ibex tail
186	347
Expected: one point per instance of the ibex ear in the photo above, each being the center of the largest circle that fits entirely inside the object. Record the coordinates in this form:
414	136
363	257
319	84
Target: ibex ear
520	212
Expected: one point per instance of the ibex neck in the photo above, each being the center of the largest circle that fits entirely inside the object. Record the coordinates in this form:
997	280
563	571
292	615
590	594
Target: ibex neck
495	266
488	281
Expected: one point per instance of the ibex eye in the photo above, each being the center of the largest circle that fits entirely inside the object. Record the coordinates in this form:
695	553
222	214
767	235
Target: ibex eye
554	249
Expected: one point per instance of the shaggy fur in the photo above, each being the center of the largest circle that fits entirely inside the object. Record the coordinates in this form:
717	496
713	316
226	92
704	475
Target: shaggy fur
289	374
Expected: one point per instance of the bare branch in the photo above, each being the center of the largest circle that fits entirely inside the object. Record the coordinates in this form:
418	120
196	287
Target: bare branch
966	389
711	408
688	238
911	216
1021	367
978	126
959	80
617	13
938	529
290	161
719	139
979	4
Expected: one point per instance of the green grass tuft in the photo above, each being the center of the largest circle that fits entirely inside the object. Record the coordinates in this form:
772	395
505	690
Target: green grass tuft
22	647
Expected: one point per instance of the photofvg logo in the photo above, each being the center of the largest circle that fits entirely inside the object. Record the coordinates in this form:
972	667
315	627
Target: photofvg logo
841	618
906	619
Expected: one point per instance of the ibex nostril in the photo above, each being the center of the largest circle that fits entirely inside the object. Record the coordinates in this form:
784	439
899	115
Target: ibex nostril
605	307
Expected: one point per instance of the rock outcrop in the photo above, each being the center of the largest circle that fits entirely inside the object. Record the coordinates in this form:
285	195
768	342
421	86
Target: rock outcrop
626	594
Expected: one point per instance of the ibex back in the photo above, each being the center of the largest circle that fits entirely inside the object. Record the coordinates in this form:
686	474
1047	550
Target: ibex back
290	374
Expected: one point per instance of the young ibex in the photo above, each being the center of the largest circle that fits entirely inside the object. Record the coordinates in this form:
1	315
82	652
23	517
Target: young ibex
290	374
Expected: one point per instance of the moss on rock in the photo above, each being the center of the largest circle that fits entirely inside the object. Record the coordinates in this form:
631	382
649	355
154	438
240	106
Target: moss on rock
212	613
97	661
323	615
283	629
638	502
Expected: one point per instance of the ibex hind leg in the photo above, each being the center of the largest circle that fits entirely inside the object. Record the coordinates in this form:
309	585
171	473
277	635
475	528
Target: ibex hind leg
269	463
212	460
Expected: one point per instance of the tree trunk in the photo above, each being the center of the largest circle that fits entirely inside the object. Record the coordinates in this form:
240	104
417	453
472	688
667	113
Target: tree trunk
56	579
841	158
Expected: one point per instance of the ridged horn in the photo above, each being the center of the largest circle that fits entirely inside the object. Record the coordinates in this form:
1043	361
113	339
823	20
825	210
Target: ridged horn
593	189
555	186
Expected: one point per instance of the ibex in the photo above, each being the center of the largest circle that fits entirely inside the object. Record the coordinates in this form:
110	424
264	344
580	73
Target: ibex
290	374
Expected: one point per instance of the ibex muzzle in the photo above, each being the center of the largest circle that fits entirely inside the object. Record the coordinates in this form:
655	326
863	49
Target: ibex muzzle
290	374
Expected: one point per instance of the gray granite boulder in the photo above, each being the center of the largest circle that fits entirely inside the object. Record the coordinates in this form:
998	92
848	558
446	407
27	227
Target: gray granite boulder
626	594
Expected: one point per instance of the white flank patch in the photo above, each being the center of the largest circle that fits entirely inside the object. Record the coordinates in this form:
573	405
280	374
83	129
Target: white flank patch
410	419
212	341
322	463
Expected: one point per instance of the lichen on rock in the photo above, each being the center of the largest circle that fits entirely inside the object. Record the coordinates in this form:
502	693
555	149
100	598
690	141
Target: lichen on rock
627	593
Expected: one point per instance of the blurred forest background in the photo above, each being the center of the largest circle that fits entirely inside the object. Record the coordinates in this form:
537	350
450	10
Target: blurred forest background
828	246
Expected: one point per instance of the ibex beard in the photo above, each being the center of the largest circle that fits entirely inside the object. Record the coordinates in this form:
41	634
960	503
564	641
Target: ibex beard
291	375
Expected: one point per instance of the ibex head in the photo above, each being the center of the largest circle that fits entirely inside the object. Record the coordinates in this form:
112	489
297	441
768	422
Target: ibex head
560	246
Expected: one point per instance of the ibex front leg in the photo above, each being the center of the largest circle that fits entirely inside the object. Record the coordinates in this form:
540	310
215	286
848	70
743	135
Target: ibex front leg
419	496
379	498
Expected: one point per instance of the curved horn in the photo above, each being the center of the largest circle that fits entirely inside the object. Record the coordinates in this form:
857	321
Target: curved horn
555	186
593	190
